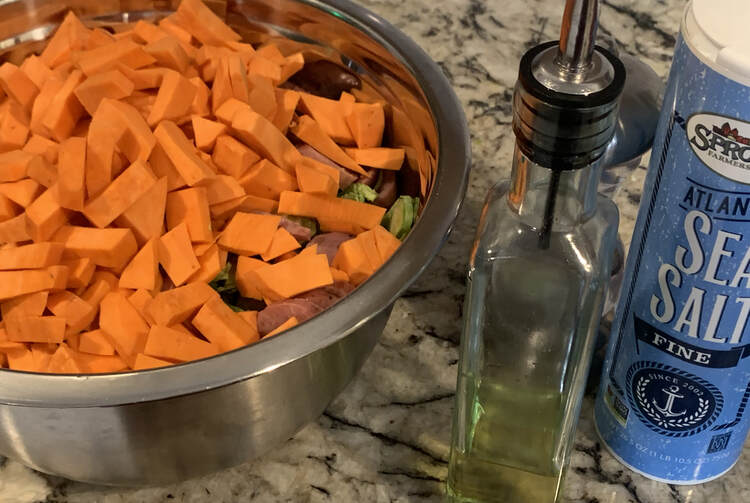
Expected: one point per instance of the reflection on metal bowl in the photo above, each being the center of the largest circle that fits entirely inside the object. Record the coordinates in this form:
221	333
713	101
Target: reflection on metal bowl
177	422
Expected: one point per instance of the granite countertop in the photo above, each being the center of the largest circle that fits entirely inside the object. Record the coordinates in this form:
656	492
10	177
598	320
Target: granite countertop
386	438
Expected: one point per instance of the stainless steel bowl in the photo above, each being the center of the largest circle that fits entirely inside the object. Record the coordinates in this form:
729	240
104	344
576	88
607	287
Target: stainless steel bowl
158	426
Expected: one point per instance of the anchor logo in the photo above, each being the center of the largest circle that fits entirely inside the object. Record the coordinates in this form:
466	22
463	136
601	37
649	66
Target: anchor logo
672	394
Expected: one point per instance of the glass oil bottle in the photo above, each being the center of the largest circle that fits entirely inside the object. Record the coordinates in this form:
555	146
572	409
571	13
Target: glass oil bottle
538	276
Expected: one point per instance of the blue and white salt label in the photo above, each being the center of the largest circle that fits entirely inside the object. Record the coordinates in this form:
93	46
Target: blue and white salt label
676	382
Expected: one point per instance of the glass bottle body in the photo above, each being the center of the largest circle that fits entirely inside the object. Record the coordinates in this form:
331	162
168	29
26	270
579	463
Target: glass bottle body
530	320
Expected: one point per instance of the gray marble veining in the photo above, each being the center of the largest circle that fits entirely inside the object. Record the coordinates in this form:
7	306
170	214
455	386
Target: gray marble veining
386	438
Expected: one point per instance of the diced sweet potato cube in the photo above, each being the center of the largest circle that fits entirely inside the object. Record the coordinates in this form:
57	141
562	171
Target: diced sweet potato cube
112	84
262	97
223	188
70	35
367	122
169	53
309	131
45	216
314	181
283	242
210	262
178	304
267	180
32	256
71	187
176	255
42	146
98	364
286	104
206	133
222	326
23	192
165	342
64	110
31	304
174	99
182	153
191	207
329	114
16	84
141	299
146	217
105	247
80	272
204	25
200	101
27	328
246	204
120	195
143	269
77	313
63	361
249	234
107	57
126	329
143	362
294	276
262	136
14	165
14	126
352	259
95	342
232	157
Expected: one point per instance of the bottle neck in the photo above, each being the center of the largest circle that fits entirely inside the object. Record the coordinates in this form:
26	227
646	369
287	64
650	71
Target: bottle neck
559	199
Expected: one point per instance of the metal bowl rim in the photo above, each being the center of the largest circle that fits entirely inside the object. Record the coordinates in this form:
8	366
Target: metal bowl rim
377	293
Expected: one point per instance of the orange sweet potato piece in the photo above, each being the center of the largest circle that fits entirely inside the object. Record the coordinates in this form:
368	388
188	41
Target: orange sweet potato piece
262	97
77	313
174	99
210	262
112	84
42	172
144	78
143	269
42	146
229	109
20	358
32	256
95	342
31	304
146	216
176	254
329	114
286	104
352	259
246	282
63	361
105	247
107	57
141	299
80	272
191	207
14	165
386	242
311	133
126	329
370	248
222	326
246	204
120	195
8	210
291	322
291	65
206	132
264	67
17	85
263	137
251	317
367	122
249	234
283	242
163	167
223	188
202	94
237	77
182	154
221	89
45	216
169	53
99	364
231	156
14	126
144	362
378	157
267	180
42	104
64	109
294	276
168	343
179	304
28	328
313	181
70	35
71	188
339	275
325	207
203	24
23	192
14	230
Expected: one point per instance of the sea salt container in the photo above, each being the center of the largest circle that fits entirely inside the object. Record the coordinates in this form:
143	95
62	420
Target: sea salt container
672	403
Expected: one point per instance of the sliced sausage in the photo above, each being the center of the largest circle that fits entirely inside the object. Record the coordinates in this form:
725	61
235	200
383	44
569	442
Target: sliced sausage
347	177
329	243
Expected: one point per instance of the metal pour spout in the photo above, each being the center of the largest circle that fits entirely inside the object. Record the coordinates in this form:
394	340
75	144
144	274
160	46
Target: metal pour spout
578	35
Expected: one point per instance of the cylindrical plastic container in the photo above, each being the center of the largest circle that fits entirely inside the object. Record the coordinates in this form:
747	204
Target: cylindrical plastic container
672	404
